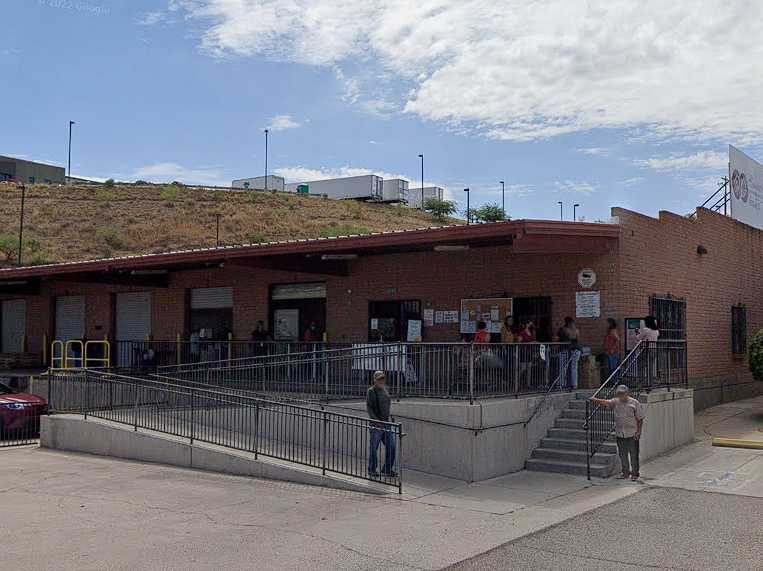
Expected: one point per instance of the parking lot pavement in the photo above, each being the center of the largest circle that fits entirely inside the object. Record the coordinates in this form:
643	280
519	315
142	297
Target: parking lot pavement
657	528
73	511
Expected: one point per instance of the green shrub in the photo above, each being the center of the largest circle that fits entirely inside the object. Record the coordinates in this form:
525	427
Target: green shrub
169	193
440	209
333	230
104	195
111	238
109	183
38	259
491	212
756	356
9	247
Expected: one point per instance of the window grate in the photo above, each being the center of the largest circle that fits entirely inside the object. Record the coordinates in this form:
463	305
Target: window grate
738	329
670	315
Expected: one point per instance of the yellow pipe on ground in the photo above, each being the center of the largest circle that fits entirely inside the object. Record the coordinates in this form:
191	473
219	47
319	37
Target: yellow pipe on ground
738	443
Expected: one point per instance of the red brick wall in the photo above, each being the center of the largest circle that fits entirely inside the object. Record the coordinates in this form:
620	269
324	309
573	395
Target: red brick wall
659	256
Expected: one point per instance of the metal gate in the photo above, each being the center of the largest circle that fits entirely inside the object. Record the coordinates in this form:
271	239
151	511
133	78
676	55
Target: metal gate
670	315
133	323
13	323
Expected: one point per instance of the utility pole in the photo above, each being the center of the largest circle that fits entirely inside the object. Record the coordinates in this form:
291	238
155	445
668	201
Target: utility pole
422	181
218	230
69	170
503	198
266	158
561	211
468	208
21	222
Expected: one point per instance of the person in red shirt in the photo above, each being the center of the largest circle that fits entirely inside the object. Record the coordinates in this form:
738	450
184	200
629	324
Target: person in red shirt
612	345
312	335
482	336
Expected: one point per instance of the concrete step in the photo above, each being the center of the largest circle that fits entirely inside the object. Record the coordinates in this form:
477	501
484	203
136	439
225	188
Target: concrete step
575	444
577	413
572	456
561	467
577	404
573	423
568	433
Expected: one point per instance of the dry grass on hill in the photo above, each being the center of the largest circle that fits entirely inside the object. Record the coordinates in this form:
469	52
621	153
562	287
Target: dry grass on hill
85	222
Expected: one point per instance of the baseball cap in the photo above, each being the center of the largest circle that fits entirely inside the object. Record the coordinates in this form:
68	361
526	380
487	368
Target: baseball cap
379	375
621	389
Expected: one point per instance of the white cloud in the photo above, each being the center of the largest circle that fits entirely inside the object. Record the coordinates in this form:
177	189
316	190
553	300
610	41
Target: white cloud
577	187
594	151
282	123
167	172
632	181
524	70
700	160
151	18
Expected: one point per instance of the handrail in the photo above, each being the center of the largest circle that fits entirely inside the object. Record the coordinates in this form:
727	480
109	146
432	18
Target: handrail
562	374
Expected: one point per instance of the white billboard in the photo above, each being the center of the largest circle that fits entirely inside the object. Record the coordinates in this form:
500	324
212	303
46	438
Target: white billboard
746	176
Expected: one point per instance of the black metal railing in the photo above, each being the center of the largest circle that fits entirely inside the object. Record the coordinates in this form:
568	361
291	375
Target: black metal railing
650	365
439	370
307	435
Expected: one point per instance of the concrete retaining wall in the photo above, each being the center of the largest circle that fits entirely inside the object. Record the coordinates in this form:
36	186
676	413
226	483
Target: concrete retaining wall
669	421
73	433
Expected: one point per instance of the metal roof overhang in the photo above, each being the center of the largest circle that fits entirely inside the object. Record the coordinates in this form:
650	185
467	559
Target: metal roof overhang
521	236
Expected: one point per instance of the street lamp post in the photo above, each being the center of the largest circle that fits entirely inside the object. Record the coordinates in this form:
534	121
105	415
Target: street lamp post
266	158
69	169
575	212
217	242
503	198
561	210
422	181
468	208
21	222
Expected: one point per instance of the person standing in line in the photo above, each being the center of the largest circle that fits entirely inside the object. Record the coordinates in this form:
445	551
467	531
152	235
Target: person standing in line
570	355
482	336
649	336
378	404
195	346
612	346
629	419
526	354
508	330
259	337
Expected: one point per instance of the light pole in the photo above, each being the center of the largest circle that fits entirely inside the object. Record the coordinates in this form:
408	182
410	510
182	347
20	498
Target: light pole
218	230
575	212
69	170
561	210
21	222
503	198
422	181
266	158
468	208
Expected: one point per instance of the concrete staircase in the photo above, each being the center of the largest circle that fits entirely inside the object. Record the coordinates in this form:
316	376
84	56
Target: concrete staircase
563	450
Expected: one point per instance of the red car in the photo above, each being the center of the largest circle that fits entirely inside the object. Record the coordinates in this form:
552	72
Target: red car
20	413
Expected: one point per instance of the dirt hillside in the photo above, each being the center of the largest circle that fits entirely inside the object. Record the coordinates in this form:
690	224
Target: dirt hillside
86	222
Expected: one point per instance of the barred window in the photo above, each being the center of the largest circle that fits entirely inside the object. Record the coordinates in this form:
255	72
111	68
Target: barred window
670	315
738	329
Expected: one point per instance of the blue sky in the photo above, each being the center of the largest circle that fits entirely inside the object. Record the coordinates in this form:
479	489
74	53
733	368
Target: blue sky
601	104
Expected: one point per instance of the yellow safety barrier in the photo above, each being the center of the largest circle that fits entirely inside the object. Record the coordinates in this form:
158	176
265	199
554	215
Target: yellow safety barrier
61	359
78	361
738	443
104	361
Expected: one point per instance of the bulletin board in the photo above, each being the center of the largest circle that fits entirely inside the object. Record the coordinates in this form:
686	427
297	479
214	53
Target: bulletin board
492	310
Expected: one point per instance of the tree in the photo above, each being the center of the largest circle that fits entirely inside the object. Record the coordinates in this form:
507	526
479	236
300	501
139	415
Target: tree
490	212
440	209
109	182
756	356
9	247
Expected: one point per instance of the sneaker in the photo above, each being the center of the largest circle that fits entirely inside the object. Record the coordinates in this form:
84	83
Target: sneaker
635	477
390	474
623	476
373	475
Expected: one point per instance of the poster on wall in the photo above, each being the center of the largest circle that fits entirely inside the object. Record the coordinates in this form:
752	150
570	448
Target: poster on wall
746	196
632	324
588	304
428	316
491	310
414	330
286	324
450	316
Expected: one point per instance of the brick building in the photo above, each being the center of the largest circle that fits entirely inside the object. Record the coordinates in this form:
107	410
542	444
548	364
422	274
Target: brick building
694	274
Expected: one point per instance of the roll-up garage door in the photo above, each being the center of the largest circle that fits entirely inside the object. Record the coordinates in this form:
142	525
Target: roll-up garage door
133	316
70	318
212	298
13	323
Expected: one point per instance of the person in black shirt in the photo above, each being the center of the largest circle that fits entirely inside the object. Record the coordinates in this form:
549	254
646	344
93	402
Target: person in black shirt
378	405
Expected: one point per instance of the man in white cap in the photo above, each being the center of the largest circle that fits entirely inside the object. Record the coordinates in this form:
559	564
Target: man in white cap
378	405
629	418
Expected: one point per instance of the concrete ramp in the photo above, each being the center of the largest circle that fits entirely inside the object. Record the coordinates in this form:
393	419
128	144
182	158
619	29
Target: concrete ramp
95	436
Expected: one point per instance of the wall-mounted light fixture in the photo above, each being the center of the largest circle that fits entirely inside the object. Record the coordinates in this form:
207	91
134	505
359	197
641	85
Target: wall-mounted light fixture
701	250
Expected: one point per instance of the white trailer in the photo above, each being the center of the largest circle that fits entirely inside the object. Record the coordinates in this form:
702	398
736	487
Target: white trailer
365	187
415	195
273	182
395	190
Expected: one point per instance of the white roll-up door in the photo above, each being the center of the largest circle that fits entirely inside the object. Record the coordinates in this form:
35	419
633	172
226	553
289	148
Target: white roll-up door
70	318
133	316
13	322
212	298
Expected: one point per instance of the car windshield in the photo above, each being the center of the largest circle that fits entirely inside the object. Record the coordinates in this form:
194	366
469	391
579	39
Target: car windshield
6	390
